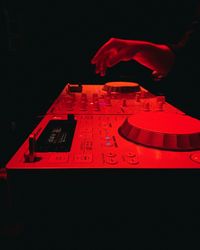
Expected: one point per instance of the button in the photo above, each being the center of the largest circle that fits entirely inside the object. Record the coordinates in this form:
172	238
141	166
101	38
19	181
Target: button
131	154
110	154
58	157
88	145
195	157
107	137
111	160
83	158
132	161
108	144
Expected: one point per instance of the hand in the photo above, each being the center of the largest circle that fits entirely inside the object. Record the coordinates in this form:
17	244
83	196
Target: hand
157	57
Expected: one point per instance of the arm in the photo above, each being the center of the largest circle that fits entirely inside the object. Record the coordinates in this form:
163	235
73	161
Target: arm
157	57
160	58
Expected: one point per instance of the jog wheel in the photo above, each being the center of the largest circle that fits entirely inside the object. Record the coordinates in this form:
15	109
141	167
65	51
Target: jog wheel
121	87
162	130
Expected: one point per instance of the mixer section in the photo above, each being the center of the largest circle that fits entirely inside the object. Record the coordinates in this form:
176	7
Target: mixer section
111	98
116	125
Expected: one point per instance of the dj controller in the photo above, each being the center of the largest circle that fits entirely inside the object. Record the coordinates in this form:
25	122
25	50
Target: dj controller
118	125
104	165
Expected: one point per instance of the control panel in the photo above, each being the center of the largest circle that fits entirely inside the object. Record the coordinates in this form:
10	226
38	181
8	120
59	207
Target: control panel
109	99
116	125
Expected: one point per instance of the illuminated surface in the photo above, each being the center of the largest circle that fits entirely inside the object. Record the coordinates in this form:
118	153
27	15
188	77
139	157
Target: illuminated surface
163	130
97	143
94	100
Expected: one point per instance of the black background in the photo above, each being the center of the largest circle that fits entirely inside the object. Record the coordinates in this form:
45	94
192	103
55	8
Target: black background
54	42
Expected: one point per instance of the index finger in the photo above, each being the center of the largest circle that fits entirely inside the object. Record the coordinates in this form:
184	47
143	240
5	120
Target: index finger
101	51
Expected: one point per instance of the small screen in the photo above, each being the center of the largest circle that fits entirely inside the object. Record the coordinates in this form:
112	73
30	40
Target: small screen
57	136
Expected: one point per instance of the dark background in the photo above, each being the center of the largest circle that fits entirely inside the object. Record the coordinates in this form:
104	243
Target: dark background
44	45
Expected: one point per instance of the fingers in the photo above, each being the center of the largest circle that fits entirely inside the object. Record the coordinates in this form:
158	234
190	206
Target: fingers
110	54
102	64
103	50
108	59
101	67
100	52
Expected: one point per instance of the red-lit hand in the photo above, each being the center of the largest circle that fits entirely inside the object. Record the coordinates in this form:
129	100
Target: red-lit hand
157	57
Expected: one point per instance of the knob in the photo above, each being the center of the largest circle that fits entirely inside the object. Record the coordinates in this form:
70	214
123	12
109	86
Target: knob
146	106
108	100
137	97
31	155
68	88
160	101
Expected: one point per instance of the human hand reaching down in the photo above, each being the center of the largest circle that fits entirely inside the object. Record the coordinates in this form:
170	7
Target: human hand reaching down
157	57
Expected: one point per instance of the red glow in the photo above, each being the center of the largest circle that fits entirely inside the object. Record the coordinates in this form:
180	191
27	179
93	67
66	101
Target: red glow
150	136
157	57
163	130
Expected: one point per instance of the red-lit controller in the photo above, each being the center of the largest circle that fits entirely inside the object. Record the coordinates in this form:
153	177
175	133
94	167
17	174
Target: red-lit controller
116	125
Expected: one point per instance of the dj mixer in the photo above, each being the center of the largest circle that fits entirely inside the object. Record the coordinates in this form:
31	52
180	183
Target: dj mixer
118	125
104	165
